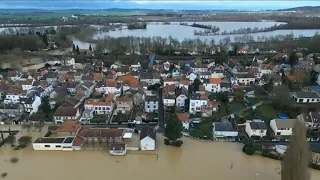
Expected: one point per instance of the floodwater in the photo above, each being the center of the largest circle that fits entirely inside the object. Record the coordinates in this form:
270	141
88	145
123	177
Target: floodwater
194	160
181	32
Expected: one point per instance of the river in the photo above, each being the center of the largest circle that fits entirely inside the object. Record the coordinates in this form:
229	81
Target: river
194	160
181	32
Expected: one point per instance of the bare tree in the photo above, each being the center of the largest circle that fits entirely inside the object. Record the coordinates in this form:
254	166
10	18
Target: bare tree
296	160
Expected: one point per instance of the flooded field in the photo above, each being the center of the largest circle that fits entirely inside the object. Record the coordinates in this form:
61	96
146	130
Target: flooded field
195	160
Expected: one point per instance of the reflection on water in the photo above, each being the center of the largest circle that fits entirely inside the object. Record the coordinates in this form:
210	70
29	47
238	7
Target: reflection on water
195	160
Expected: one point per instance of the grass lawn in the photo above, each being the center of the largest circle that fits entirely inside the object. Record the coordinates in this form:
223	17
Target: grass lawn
236	106
254	101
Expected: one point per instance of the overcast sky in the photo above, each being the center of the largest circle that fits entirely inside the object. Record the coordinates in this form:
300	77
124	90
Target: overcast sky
154	4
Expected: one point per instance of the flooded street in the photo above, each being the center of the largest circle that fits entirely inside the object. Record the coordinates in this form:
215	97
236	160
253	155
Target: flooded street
194	160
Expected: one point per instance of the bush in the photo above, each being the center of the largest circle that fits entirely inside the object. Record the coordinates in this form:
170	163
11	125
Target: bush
167	142
14	160
178	143
315	166
248	149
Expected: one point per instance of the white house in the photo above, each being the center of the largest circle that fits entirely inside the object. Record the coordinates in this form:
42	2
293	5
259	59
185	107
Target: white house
12	97
282	127
113	88
151	104
32	104
245	78
212	85
68	62
192	76
169	81
118	149
256	127
224	131
169	100
197	100
200	68
182	95
205	75
147	139
99	107
135	67
305	97
69	143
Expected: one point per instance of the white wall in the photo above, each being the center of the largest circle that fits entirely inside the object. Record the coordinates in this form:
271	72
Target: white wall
225	133
251	132
41	146
283	132
147	144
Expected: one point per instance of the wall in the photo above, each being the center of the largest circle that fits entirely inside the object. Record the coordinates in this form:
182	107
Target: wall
286	132
41	146
147	144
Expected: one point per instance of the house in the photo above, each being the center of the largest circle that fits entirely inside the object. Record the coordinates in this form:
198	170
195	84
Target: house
87	78
175	73
106	135
32	104
72	87
224	131
311	119
305	97
184	83
68	128
205	75
113	87
98	77
169	81
147	139
101	87
51	77
181	97
213	85
169	100
256	127
27	84
87	88
200	68
225	87
282	127
68	62
124	104
245	78
137	95
12	110
99	107
197	100
64	113
118	149
135	67
156	78
151	104
184	118
192	76
146	77
68	143
212	106
13	95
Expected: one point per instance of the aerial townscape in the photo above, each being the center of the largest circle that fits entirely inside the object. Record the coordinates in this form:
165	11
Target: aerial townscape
155	91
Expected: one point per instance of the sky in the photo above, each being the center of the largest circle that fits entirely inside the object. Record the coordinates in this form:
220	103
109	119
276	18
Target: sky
156	4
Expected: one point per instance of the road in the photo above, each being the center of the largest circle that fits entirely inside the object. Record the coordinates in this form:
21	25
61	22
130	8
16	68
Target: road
314	146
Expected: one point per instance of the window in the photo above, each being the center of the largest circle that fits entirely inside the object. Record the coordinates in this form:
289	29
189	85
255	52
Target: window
58	146
103	108
47	146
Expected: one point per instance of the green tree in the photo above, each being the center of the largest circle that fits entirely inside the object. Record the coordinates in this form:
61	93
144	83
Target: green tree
25	140
196	84
248	149
11	140
73	48
173	130
46	107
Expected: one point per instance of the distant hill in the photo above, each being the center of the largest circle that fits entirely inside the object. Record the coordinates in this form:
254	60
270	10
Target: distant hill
303	9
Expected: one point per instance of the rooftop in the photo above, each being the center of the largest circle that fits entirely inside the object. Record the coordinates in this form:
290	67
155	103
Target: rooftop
54	140
306	95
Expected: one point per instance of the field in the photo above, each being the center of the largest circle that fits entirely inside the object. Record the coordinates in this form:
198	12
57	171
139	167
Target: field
60	14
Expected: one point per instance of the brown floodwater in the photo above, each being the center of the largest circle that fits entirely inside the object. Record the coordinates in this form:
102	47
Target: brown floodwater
194	160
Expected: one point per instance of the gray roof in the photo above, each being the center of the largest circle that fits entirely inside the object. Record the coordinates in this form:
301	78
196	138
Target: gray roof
148	132
224	126
247	75
151	98
258	125
306	95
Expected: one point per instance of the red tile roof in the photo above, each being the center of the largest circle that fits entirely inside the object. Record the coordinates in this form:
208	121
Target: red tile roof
69	126
183	116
